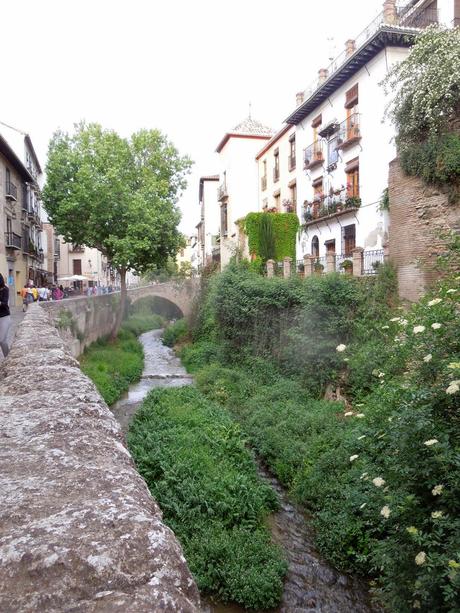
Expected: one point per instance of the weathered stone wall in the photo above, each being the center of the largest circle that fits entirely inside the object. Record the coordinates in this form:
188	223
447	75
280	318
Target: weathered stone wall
79	530
419	215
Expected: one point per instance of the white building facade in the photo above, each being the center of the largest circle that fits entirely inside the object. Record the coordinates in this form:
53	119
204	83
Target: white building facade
208	228
238	189
343	147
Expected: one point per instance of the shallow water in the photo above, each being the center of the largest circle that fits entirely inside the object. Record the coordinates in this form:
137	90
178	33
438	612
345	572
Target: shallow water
311	585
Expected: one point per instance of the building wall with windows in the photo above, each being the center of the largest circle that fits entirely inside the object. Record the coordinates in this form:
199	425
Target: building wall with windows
276	163
343	151
238	187
208	229
81	260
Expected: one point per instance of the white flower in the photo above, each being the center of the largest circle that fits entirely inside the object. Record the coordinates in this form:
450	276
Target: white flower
360	438
381	375
453	388
363	505
340	348
385	327
454	365
428	358
395	319
390	419
385	511
353	457
431	441
364	475
378	481
420	558
451	291
434	301
436	326
418	329
437	490
416	604
348	413
359	415
436	514
403	322
346	360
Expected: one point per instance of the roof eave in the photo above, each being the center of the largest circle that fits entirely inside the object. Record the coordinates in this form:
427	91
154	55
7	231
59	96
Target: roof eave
15	161
385	37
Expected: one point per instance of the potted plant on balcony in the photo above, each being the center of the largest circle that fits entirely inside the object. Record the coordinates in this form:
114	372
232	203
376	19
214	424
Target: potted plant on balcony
307	215
288	206
352	202
347	266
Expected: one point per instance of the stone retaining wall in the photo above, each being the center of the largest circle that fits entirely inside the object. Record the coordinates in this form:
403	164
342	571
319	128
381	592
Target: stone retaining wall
79	530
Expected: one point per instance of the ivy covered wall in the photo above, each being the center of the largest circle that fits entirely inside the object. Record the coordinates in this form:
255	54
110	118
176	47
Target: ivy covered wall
285	226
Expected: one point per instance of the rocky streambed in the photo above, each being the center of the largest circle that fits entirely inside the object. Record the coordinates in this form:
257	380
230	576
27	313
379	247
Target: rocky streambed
311	585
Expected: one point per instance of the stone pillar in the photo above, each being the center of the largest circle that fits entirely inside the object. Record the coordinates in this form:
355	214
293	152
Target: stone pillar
322	75
309	265
287	267
390	13
350	47
330	262
270	268
358	262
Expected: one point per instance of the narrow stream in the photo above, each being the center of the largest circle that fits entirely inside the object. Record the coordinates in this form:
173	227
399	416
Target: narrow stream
312	585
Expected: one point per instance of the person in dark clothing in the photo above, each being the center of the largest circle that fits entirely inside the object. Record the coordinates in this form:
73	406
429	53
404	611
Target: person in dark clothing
5	319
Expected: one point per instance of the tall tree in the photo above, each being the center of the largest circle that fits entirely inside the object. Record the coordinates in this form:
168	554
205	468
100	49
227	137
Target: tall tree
117	195
266	237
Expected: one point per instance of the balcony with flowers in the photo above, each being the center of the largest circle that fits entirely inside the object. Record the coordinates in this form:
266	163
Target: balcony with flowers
313	155
337	202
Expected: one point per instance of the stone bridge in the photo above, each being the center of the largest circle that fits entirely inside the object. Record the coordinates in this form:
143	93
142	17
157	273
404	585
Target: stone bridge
179	293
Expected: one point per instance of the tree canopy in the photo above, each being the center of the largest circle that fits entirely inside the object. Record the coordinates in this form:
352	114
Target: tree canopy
118	195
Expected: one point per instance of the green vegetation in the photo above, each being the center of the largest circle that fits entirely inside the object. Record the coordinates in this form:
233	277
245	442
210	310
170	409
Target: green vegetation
264	229
196	464
175	333
425	90
381	475
114	365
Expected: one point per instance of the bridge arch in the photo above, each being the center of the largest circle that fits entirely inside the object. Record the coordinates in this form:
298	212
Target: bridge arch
179	293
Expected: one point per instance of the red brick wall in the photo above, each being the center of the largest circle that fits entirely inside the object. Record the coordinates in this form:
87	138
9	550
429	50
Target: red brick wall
419	214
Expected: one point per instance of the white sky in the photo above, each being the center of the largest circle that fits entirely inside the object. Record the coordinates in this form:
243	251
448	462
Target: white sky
189	68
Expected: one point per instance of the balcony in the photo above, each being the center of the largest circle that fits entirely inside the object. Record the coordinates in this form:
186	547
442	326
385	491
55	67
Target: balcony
13	241
416	18
11	191
276	175
222	191
263	183
349	132
291	163
326	207
313	155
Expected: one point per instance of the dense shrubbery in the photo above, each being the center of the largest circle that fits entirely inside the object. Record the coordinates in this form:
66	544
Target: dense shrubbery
113	366
175	333
195	462
383	477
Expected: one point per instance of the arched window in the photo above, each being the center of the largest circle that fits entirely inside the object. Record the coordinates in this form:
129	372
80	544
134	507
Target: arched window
315	246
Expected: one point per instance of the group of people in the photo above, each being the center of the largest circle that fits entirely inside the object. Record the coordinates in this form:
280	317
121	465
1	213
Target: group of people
30	293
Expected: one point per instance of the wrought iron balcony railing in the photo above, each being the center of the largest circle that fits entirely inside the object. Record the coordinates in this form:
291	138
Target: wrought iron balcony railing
11	191
313	155
349	132
13	241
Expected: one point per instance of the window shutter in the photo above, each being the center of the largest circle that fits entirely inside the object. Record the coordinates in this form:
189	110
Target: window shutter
351	97
317	121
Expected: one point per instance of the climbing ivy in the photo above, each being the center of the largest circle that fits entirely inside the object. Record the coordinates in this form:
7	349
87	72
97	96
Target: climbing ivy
285	226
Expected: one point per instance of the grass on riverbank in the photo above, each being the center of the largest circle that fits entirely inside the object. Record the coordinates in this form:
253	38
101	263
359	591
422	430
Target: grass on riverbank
113	366
196	464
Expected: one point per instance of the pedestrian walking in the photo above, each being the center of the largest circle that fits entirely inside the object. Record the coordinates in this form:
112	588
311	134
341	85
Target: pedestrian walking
5	319
42	294
27	296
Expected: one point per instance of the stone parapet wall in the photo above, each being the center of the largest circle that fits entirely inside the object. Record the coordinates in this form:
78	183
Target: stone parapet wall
79	530
419	216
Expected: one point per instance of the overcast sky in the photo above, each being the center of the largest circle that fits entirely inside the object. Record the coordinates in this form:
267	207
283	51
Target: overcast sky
186	67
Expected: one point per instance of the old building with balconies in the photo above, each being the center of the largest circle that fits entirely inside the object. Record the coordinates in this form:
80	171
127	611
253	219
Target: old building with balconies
343	145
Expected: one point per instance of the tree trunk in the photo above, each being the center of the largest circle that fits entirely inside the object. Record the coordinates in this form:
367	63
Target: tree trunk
121	310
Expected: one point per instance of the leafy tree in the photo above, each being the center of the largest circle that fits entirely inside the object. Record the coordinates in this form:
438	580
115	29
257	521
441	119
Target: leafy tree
117	195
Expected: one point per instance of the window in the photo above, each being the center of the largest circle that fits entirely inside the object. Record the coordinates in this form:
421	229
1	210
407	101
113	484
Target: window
315	246
348	239
315	124
318	189
351	97
291	159
263	179
330	246
352	172
223	219
293	198
76	267
277	200
332	152
264	163
9	225
351	104
276	169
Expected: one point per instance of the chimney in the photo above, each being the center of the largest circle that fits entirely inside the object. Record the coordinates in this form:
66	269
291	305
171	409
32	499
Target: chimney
322	75
350	47
389	11
299	98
